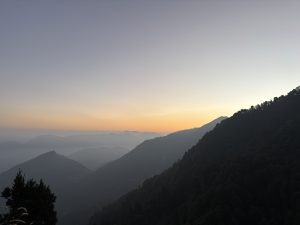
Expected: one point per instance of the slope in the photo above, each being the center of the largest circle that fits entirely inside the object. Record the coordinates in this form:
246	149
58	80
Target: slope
116	178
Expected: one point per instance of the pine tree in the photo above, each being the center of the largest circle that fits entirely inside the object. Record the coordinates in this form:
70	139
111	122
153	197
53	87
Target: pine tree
35	197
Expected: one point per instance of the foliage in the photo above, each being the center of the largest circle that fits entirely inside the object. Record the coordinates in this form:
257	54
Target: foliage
35	197
246	171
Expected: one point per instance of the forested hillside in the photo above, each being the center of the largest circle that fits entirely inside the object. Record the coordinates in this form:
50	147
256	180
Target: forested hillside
246	171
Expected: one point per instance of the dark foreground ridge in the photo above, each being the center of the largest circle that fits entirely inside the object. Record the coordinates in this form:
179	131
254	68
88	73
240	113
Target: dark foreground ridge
246	171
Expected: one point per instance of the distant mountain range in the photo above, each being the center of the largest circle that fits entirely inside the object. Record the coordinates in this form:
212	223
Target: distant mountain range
93	158
13	153
69	179
116	178
245	171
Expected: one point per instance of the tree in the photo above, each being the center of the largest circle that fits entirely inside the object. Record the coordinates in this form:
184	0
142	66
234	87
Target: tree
35	197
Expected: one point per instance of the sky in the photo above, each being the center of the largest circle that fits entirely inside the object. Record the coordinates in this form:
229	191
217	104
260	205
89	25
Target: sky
142	65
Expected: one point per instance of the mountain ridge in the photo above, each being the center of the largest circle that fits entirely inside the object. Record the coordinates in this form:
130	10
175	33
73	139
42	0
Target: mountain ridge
245	171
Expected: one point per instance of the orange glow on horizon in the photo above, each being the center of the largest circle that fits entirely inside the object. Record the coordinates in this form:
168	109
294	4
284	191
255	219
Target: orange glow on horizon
155	123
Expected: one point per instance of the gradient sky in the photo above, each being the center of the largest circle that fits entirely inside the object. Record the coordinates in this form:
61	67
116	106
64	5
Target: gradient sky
142	65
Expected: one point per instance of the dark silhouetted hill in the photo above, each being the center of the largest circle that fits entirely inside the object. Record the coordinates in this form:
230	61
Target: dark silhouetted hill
245	171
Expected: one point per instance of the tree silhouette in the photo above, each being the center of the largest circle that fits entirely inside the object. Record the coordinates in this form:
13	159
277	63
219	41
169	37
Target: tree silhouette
35	197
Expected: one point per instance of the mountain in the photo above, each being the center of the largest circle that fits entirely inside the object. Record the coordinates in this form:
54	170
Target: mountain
116	178
245	171
93	158
13	153
56	170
